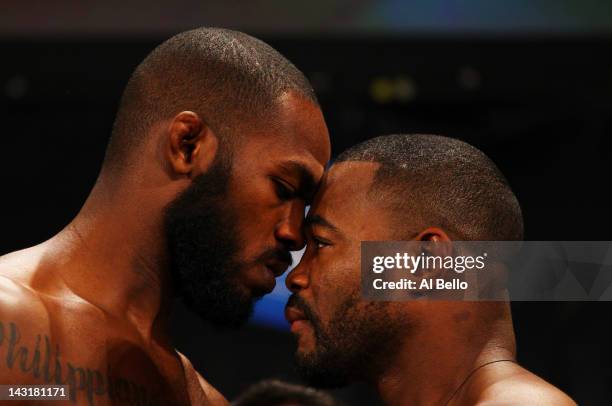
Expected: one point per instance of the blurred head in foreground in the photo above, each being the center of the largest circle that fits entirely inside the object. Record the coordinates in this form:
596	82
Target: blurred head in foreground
277	393
413	188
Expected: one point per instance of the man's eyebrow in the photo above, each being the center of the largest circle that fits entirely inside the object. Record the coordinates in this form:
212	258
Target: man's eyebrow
315	219
308	185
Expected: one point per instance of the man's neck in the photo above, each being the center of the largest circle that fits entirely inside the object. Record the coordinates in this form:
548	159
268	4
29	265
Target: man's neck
430	367
112	256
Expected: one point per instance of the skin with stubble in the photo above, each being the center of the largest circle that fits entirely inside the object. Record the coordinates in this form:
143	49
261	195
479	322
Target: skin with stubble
207	212
414	353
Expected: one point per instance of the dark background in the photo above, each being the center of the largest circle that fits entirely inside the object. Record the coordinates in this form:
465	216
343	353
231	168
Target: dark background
538	103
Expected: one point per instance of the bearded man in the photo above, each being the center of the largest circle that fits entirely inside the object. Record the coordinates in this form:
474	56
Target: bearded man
218	145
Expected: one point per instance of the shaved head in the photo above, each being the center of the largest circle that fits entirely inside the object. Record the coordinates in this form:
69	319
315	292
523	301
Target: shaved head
227	77
431	180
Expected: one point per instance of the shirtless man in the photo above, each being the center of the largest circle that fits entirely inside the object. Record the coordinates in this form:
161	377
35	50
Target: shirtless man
218	144
420	352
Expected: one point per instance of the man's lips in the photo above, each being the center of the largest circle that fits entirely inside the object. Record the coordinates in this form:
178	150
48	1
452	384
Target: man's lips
277	267
293	314
298	314
267	283
262	276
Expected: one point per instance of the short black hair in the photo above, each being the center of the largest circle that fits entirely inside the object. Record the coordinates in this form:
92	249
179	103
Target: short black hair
431	180
225	76
276	393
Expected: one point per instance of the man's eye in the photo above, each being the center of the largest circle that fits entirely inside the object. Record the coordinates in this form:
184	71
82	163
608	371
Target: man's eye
320	243
282	191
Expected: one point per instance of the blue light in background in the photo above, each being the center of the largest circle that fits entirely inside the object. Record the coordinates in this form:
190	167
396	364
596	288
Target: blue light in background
270	311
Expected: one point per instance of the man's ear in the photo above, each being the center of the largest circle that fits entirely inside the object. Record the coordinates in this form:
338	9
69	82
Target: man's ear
433	234
191	144
436	241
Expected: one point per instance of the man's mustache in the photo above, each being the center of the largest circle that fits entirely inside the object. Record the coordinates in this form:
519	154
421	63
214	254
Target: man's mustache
299	303
277	255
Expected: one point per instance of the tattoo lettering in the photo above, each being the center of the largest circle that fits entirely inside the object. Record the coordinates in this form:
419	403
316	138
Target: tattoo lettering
43	361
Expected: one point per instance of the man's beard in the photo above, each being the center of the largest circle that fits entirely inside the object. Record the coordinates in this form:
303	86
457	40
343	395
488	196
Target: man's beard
355	345
203	243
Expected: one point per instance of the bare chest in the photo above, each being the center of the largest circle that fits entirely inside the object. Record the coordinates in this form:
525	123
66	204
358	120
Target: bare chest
99	367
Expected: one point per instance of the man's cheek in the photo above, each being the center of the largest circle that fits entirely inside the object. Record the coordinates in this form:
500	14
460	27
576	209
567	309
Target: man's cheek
340	278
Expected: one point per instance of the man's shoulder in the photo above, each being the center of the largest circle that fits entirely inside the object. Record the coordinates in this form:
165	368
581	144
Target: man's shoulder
22	307
16	297
24	319
523	388
16	293
212	396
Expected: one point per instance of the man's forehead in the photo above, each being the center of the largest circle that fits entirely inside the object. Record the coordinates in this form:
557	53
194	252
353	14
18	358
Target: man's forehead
353	177
301	121
344	190
344	203
260	143
296	140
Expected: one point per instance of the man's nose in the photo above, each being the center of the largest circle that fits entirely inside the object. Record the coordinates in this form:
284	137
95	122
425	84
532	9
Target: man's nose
290	230
297	279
